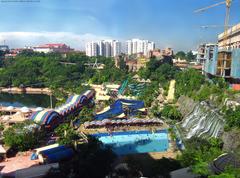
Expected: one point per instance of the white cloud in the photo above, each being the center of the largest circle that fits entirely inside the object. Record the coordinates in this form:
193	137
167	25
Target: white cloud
21	39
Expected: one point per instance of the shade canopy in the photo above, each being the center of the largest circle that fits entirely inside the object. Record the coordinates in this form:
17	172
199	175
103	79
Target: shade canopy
39	109
25	109
9	108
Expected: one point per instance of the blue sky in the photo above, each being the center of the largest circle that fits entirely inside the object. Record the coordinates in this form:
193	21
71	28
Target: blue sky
170	23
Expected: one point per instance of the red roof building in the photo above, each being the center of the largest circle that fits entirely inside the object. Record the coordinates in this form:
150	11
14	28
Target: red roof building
53	47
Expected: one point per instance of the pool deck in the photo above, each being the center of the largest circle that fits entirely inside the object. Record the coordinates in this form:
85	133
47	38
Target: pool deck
124	128
21	161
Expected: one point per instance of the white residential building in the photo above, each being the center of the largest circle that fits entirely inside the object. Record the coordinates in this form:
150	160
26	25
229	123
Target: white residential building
107	48
91	49
116	48
100	48
135	46
129	49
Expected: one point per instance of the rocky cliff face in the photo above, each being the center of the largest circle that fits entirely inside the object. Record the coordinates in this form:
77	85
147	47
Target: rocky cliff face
231	140
186	105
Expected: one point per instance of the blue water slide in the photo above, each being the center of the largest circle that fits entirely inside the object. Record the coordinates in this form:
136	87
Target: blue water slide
115	110
53	115
53	150
133	104
83	98
60	155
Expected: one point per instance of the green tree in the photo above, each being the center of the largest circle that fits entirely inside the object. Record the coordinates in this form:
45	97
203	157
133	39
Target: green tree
199	153
22	136
232	117
181	55
171	112
67	135
190	57
188	82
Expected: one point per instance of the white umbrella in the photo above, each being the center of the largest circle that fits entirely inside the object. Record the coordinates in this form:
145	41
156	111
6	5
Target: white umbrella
39	109
9	108
25	109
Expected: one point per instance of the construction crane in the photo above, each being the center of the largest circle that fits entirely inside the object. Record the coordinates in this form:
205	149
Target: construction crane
224	57
213	26
226	21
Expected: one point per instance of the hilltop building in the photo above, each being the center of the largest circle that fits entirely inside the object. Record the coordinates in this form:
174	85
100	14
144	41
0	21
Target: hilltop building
107	48
57	47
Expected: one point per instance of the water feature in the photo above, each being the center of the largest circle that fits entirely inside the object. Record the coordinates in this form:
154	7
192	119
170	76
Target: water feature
203	121
133	142
29	100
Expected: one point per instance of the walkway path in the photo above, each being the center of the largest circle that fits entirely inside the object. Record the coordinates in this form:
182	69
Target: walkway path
171	91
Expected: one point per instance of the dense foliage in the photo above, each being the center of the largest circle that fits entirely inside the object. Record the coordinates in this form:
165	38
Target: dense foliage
171	112
160	72
22	137
199	153
232	117
187	56
228	173
86	114
53	70
67	135
188	82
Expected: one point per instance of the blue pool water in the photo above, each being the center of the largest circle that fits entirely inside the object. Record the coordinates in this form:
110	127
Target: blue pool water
133	142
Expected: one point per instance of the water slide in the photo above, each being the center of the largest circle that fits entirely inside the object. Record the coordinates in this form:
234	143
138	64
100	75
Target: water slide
114	110
136	89
133	104
52	118
123	87
117	108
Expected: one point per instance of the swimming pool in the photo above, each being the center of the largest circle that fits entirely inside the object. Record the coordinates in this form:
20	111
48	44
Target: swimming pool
133	142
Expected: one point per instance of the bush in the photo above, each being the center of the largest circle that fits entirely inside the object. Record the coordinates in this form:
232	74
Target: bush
171	112
67	135
22	138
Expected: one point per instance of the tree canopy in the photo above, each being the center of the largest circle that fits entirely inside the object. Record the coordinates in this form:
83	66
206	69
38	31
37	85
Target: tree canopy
54	71
22	137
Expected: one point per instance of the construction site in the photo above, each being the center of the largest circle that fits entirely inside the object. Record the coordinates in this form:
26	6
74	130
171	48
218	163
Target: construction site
223	60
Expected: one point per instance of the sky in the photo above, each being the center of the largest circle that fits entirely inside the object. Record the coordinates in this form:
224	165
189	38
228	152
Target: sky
169	23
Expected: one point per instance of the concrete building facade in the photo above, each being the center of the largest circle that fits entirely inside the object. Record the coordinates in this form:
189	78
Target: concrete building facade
107	48
135	46
226	58
158	53
233	38
205	51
